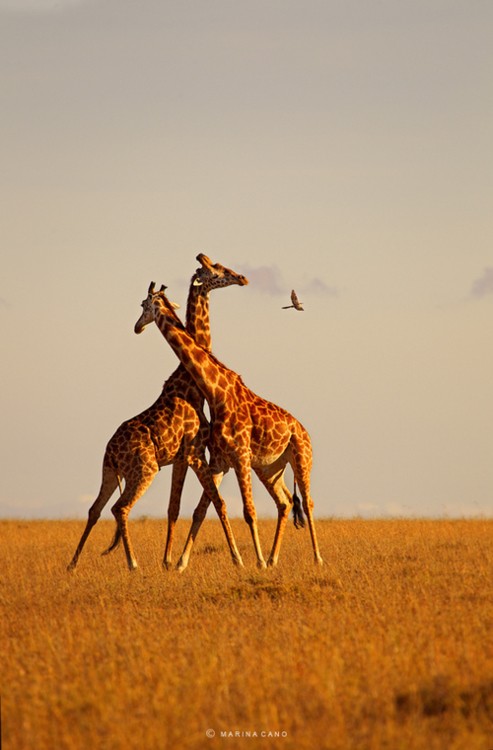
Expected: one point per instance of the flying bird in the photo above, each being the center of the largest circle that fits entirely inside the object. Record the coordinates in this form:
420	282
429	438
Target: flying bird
296	303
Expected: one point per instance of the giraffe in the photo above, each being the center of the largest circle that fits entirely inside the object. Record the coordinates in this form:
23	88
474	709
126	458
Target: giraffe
247	432
173	430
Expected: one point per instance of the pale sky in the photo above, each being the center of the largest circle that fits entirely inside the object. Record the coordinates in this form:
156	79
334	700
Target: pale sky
340	147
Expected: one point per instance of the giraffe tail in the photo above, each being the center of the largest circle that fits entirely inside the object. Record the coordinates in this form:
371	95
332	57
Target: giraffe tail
298	517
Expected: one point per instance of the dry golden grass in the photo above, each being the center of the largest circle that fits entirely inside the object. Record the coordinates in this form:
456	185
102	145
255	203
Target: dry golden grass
390	645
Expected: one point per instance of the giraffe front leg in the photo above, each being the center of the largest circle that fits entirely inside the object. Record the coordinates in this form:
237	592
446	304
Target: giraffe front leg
197	519
210	483
180	468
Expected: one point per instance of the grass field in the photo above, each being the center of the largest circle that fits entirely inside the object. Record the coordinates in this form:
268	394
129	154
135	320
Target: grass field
389	645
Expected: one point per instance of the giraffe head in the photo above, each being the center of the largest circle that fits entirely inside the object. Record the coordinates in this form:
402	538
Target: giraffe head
149	307
213	275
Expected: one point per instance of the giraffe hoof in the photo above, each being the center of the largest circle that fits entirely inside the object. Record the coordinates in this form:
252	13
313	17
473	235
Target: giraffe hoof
181	566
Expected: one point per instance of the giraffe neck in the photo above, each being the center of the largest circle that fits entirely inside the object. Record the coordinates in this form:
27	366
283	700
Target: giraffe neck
208	373
198	317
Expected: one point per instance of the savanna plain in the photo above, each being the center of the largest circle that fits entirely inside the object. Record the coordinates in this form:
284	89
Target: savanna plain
388	645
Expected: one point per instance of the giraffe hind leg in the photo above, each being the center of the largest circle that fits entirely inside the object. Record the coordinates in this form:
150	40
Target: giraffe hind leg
304	485
117	536
242	471
134	489
301	462
109	484
272	478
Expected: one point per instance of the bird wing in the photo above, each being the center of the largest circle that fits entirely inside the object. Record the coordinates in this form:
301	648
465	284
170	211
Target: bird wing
296	303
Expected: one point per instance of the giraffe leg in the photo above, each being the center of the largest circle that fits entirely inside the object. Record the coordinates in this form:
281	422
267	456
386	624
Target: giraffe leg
109	484
300	458
303	480
197	519
134	488
180	468
249	513
210	484
272	478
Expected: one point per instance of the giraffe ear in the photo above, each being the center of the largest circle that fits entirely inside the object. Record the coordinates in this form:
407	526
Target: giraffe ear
197	282
175	305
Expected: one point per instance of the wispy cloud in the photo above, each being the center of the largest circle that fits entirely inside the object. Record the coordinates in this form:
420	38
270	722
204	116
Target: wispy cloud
320	288
265	279
483	286
269	280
